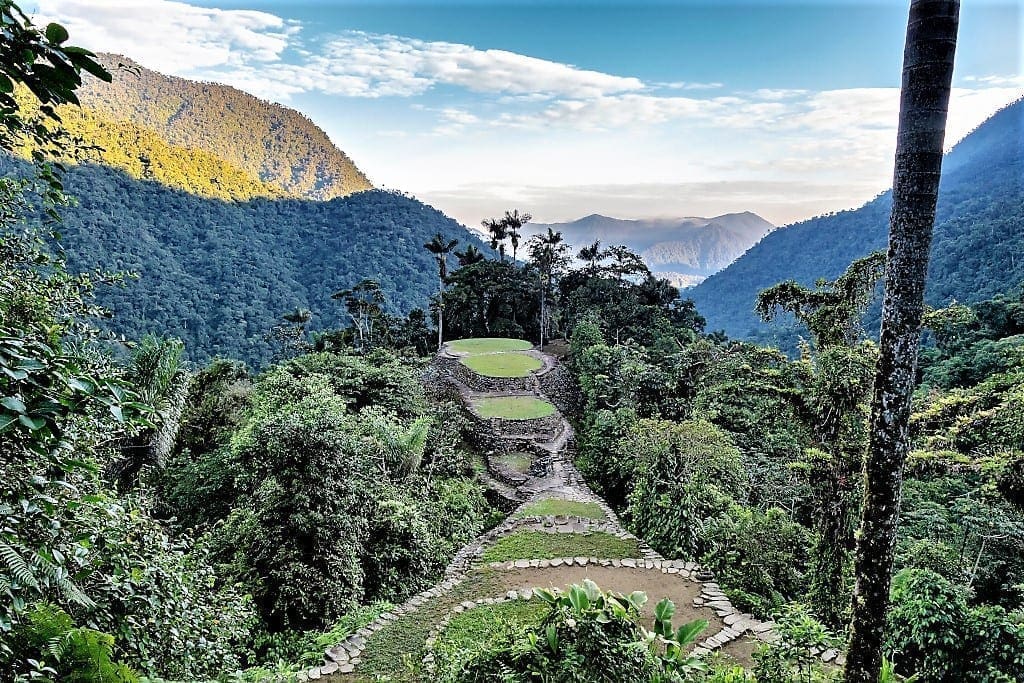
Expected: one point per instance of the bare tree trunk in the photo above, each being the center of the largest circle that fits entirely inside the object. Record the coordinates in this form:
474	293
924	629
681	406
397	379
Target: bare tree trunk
924	102
440	312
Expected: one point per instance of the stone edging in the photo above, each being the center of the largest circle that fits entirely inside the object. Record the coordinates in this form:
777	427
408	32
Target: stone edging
735	624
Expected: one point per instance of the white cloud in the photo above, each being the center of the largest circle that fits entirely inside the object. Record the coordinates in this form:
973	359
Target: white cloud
172	37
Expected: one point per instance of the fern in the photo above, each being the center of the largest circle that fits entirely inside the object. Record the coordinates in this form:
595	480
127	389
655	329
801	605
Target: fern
17	566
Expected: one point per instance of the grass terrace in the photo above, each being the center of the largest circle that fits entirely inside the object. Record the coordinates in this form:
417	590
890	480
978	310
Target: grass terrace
545	546
517	462
513	407
502	364
564	508
489	345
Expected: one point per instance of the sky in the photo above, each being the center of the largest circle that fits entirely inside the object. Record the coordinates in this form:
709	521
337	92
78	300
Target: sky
633	109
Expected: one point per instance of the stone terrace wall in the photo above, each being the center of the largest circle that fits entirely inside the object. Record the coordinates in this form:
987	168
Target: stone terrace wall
479	383
559	386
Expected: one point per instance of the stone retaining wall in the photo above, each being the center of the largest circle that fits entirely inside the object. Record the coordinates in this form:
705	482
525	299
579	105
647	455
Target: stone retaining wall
559	386
481	383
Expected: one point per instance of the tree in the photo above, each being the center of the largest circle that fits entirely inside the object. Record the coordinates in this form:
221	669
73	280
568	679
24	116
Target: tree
365	306
440	248
592	255
469	256
550	255
924	103
514	222
499	233
40	61
832	312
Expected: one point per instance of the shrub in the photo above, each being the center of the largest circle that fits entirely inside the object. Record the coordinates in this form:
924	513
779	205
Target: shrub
687	473
759	558
933	632
587	635
68	653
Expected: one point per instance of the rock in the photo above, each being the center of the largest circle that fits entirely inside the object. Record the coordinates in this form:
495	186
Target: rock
328	669
522	564
829	655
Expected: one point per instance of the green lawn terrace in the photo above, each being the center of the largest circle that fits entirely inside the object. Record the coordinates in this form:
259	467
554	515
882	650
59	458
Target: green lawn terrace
512	407
496	356
479	345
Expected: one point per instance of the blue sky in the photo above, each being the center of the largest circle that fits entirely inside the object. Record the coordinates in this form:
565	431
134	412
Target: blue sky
569	108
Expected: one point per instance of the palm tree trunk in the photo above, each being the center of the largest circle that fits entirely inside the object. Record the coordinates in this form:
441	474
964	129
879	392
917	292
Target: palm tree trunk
440	312
924	102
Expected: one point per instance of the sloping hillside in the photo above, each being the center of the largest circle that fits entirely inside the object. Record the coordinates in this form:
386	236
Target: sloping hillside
207	138
976	254
220	274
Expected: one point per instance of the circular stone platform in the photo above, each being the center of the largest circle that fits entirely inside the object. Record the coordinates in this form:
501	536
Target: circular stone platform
488	345
512	407
505	364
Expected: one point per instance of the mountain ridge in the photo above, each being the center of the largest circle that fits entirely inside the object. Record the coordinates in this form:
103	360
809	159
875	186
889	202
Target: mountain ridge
207	138
684	249
978	234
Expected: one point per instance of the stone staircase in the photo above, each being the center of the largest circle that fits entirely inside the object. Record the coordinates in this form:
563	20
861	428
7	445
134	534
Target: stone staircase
470	581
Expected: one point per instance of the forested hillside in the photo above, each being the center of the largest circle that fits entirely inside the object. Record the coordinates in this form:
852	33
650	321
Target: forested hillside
219	275
207	138
976	253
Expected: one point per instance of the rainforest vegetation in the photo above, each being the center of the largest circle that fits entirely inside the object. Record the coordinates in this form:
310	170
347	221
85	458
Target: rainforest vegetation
180	520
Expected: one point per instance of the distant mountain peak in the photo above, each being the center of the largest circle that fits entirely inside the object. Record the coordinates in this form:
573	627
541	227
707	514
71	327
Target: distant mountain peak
683	250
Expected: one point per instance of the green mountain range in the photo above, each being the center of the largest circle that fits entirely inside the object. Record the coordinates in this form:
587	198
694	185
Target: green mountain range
220	274
207	139
977	253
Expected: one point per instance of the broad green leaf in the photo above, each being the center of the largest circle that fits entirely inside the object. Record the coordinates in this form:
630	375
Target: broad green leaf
14	404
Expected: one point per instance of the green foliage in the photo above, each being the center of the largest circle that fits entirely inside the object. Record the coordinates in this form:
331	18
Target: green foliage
339	484
587	635
761	557
173	130
687	473
977	240
795	656
603	458
492	299
933	632
218	275
64	652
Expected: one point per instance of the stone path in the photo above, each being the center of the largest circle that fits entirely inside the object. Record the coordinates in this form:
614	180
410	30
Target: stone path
470	582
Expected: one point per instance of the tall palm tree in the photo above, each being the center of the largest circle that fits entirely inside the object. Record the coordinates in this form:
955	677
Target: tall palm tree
440	248
592	255
499	233
924	102
550	254
514	222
